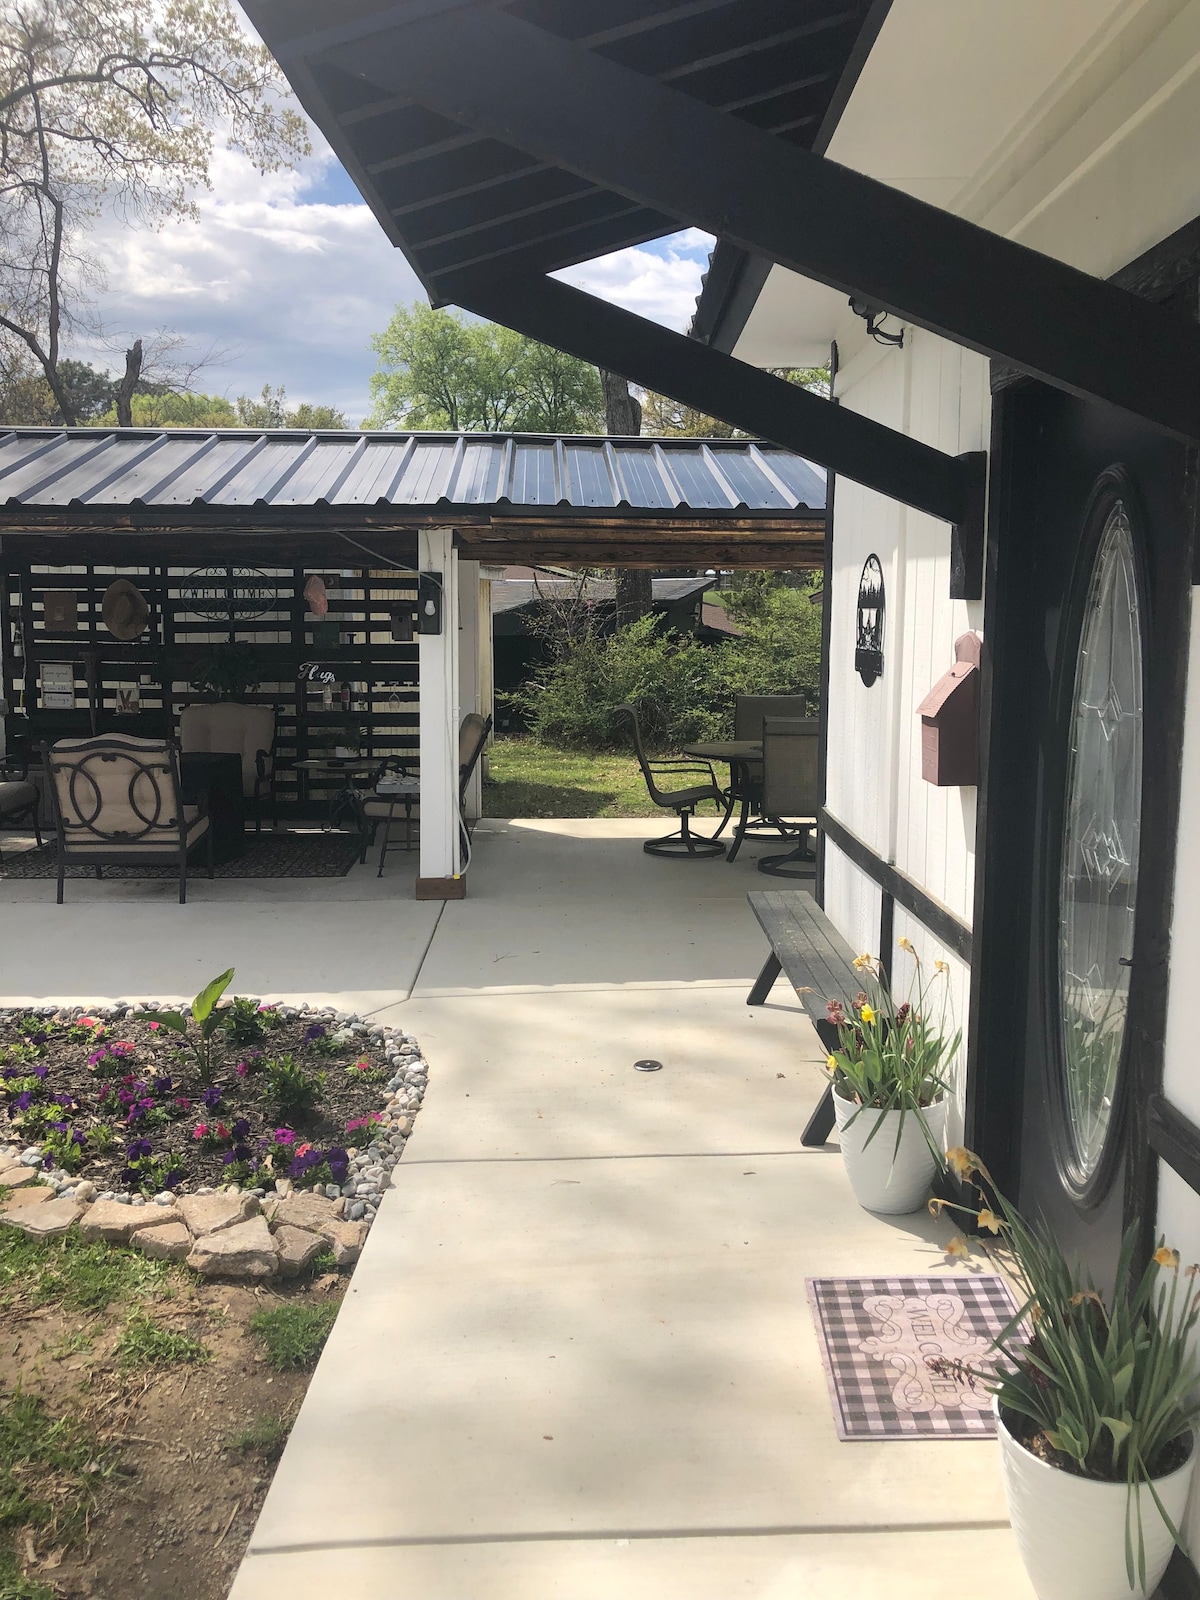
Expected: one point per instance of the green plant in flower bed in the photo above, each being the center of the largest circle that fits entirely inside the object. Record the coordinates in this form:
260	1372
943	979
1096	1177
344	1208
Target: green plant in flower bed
366	1073
50	1468
318	1038
247	1023
200	1041
65	1147
12	1055
294	1089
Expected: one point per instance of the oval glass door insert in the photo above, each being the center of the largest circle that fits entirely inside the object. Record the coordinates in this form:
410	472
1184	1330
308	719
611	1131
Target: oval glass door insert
1098	887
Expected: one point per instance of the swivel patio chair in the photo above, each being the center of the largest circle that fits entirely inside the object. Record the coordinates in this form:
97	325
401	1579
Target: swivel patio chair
117	804
791	791
683	843
396	789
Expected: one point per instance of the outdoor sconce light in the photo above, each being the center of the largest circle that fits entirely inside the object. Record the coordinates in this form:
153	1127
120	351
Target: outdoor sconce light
950	720
429	602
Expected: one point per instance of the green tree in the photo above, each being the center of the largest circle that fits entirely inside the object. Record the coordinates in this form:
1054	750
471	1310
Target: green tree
114	102
663	416
270	410
169	410
437	369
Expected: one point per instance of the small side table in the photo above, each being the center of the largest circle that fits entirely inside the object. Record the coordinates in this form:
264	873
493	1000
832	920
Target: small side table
217	775
348	800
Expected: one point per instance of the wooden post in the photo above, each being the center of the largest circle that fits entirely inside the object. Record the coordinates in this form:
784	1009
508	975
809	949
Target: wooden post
440	876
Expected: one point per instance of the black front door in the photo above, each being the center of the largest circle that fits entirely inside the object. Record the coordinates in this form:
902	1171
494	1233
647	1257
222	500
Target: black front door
1086	626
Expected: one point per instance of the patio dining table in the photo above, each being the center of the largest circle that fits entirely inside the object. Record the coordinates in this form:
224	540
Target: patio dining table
740	754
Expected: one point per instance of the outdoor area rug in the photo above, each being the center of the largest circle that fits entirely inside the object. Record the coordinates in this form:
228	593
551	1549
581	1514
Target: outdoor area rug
267	855
877	1335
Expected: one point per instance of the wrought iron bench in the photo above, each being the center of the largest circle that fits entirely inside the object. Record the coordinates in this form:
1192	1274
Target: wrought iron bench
819	965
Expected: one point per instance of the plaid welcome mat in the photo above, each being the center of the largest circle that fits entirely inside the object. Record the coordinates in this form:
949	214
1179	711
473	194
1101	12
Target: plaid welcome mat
877	1336
266	855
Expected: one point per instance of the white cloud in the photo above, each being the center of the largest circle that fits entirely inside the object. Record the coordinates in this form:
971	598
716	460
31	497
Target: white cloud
291	285
659	280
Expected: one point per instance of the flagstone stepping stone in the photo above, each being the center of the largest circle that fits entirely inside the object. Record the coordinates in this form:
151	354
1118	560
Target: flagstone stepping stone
213	1213
169	1241
22	1199
303	1211
45	1221
245	1250
345	1240
108	1219
296	1247
18	1177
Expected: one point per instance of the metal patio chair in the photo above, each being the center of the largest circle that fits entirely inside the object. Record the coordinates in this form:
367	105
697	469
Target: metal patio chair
117	804
683	844
397	789
750	711
791	791
18	798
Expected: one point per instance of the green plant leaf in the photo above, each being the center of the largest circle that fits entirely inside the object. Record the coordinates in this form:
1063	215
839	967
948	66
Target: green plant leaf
169	1019
204	1002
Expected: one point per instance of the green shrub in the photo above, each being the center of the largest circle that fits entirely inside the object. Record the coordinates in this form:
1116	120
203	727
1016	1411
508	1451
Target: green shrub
684	690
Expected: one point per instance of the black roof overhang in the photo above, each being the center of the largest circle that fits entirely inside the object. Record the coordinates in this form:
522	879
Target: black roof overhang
133	535
551	90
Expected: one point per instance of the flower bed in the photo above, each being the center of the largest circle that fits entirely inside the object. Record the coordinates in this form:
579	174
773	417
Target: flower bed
128	1104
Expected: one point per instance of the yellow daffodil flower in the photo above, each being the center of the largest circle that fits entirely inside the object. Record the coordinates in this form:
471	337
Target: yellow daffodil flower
831	1063
867	1013
989	1220
906	944
960	1161
959	1248
1165	1257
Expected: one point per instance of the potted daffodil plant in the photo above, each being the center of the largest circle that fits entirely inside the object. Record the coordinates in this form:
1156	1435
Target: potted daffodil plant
1096	1396
890	1083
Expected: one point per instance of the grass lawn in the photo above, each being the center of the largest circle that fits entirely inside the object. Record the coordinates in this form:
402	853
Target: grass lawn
533	780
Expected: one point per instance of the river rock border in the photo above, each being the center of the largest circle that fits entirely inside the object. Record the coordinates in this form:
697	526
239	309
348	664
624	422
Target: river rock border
231	1231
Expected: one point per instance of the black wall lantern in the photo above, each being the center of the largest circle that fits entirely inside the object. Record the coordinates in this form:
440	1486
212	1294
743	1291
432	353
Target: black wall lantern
868	644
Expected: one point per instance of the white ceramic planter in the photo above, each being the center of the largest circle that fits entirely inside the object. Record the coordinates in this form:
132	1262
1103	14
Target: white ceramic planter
883	1177
1071	1531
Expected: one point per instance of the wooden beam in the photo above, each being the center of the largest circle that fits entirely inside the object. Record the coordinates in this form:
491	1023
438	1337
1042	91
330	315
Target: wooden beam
656	358
562	103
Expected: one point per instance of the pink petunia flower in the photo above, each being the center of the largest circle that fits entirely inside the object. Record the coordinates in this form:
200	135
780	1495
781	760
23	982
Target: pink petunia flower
241	1069
200	1131
155	1026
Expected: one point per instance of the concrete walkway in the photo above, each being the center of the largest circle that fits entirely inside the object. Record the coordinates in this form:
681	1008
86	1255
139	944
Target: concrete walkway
576	1361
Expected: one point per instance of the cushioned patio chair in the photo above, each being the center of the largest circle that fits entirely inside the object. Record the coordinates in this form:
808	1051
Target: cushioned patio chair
117	804
791	791
18	799
682	800
746	778
397	790
226	727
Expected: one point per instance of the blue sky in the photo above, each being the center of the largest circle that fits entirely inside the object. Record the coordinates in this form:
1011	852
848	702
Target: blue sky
287	277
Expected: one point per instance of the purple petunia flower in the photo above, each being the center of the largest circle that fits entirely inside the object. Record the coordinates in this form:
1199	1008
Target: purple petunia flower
228	1158
47	1163
40	1073
23	1101
172	1179
60	1127
211	1097
241	1152
315	1031
163	1085
138	1149
9	1073
241	1129
339	1163
283	1136
78	1137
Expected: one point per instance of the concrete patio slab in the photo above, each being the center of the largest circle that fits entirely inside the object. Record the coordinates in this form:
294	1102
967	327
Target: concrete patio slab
754	1565
357	955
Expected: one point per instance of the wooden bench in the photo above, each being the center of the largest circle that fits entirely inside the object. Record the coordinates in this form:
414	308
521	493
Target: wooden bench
819	965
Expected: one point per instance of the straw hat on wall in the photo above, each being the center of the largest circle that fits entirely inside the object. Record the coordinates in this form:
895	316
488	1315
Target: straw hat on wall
124	610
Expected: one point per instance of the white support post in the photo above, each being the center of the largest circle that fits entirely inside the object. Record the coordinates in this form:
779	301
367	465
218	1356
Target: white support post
468	668
438	656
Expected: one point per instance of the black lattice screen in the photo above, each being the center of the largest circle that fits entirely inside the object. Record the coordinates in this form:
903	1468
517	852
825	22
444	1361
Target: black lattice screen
370	702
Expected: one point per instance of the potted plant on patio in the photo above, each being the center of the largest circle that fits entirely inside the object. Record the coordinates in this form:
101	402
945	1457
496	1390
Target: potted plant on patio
889	1086
1096	1399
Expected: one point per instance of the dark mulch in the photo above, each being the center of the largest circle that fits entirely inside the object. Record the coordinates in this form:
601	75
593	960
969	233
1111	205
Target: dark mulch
146	1088
266	855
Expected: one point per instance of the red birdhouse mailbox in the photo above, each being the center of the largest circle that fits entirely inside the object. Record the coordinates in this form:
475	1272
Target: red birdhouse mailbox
950	720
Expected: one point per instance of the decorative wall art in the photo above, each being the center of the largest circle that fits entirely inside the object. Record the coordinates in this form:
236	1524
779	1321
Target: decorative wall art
60	611
58	685
226	594
868	647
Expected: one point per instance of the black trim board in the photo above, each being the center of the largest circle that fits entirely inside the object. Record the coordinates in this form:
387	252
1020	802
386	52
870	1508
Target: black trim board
953	932
948	487
497	75
1175	1138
